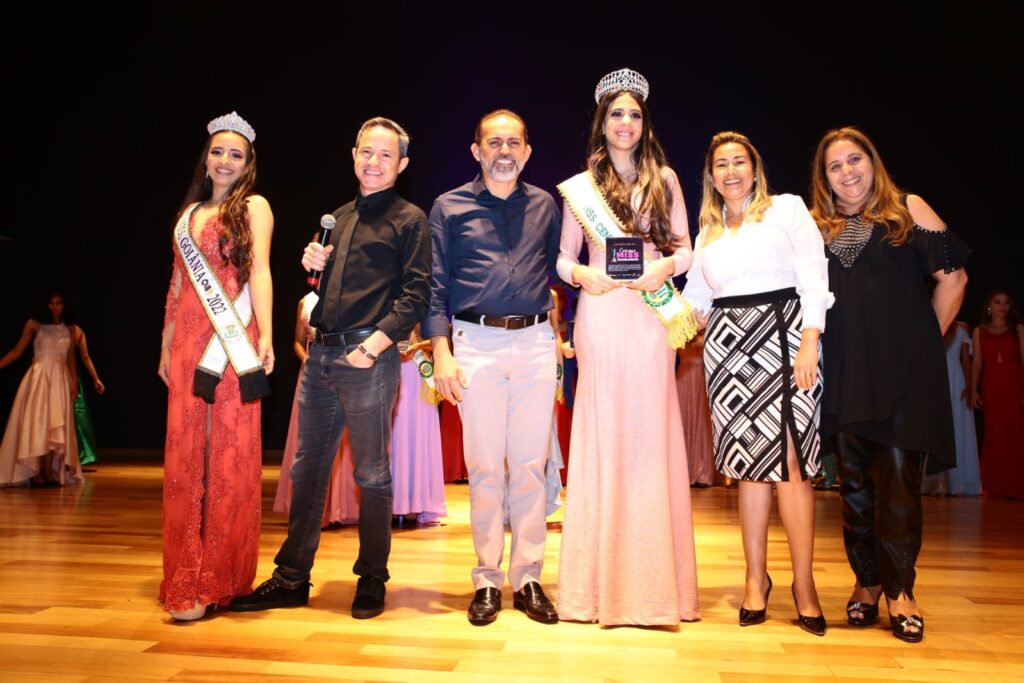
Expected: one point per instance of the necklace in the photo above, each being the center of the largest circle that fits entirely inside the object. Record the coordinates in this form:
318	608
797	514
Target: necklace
850	242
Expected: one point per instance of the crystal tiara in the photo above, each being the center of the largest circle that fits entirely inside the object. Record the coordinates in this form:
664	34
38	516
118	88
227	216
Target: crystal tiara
232	122
623	79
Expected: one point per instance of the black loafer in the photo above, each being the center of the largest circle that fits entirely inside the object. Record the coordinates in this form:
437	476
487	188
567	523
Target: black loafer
271	594
485	606
369	599
531	599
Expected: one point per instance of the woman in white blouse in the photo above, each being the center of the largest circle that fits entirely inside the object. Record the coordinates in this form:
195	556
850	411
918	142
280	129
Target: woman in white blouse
760	282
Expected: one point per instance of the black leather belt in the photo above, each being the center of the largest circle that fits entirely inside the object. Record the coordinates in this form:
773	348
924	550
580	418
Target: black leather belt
347	338
509	322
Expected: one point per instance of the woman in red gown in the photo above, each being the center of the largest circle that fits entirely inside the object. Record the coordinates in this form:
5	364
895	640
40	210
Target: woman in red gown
997	381
213	453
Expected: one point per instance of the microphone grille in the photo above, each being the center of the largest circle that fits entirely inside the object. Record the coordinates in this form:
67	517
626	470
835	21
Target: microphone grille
327	221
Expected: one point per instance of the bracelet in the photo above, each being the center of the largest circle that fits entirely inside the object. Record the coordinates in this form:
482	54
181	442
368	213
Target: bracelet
362	350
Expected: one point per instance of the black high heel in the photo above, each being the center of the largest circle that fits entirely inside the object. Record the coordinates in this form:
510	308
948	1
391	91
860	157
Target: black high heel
749	617
813	625
868	613
900	623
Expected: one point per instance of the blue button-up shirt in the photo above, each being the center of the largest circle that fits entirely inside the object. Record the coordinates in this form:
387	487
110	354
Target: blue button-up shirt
491	256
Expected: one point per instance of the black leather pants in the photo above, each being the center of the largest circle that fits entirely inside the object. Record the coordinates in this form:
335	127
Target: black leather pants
881	491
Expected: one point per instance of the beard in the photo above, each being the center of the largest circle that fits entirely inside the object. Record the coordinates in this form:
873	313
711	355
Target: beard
504	174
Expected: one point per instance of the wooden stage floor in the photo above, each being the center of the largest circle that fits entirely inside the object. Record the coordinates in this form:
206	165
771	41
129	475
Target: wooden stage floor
80	568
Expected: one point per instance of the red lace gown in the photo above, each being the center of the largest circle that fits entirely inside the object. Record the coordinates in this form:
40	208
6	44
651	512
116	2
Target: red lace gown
1002	393
212	458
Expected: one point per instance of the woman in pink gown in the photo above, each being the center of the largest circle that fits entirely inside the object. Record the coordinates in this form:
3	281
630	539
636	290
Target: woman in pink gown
998	389
39	444
417	472
627	553
213	453
342	506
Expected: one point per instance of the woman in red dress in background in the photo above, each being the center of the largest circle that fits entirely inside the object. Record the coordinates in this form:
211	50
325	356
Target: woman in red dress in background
213	454
997	382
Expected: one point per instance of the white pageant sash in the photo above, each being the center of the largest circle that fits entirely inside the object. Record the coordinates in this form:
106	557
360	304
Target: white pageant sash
230	342
590	208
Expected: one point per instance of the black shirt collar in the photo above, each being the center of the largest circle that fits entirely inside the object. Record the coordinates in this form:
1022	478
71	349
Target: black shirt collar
479	189
378	201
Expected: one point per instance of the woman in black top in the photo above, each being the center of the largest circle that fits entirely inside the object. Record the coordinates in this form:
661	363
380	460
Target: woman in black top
886	399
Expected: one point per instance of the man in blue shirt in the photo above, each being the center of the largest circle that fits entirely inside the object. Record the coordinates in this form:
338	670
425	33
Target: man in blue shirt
495	242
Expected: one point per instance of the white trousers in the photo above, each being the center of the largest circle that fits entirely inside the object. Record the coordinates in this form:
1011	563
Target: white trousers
507	412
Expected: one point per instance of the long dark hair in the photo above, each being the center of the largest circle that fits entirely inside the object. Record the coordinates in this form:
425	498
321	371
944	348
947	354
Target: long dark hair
233	210
41	310
649	159
1012	316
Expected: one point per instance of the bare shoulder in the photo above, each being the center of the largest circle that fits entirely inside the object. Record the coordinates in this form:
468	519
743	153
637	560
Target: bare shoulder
669	176
257	202
923	214
32	325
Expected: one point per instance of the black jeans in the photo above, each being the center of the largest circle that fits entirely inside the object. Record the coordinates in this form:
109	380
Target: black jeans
333	395
881	491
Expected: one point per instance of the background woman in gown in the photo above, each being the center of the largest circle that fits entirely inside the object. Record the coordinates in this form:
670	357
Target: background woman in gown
627	552
760	276
342	504
39	444
87	448
997	382
886	401
212	458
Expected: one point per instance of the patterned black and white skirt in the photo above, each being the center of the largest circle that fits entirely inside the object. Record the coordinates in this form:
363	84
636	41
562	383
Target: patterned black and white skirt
749	348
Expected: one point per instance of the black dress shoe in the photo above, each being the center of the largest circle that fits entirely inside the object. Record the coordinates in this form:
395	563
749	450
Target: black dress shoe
531	599
369	599
271	594
813	625
485	606
749	617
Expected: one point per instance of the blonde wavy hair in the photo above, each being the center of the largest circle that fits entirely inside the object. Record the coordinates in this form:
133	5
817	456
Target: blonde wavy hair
712	217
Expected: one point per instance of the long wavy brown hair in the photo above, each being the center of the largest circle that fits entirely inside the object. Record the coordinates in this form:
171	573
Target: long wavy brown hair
885	204
712	218
235	243
649	159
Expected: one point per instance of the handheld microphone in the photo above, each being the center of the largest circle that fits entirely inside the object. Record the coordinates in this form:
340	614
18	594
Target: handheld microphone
327	222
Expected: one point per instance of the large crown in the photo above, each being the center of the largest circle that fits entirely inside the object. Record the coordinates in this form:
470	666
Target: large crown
232	122
623	79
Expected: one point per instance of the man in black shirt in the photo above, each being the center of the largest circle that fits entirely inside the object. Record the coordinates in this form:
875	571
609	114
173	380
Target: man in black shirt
495	242
373	291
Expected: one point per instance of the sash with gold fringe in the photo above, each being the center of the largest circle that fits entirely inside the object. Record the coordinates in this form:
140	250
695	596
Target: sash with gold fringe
591	209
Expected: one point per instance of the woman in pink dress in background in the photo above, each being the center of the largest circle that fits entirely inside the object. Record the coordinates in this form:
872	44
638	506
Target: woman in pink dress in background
997	380
627	552
342	506
39	444
417	473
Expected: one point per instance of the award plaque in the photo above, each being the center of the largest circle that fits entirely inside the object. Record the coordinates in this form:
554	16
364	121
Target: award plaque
624	257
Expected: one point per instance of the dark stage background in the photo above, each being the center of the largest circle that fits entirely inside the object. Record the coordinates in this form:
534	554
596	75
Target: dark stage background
106	116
